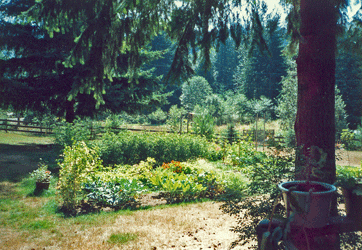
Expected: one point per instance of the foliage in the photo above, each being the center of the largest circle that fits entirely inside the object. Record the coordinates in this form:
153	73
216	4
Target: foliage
131	148
287	107
158	116
177	187
181	183
203	123
244	155
78	163
262	193
175	117
67	133
348	176
230	134
120	194
215	152
41	174
113	121
176	167
194	92
352	140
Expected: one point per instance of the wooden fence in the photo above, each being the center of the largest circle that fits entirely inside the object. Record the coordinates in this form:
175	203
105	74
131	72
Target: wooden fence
21	126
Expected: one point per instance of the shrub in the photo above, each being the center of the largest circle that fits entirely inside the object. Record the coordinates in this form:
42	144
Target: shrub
132	148
230	134
352	140
215	152
176	187
67	133
157	117
262	192
203	123
174	118
243	154
112	123
79	162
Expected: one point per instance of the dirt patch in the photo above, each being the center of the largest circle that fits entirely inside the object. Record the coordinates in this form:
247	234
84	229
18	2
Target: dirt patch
348	158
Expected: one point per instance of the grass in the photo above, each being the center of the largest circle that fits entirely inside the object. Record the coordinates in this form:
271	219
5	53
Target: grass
20	153
28	221
19	138
33	221
122	238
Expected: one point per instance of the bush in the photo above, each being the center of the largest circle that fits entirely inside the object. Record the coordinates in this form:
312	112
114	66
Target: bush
120	194
157	117
67	133
263	176
132	148
79	162
113	122
352	140
230	134
215	152
174	116
203	123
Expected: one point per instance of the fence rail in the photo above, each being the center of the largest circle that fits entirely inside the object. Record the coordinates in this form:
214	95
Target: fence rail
19	125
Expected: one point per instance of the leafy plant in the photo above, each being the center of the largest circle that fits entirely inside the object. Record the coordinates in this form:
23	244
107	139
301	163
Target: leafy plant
348	176
262	192
67	133
132	148
203	123
215	152
119	195
176	187
174	116
78	164
177	167
231	135
41	174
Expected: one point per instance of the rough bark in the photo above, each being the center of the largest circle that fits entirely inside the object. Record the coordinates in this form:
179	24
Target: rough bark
315	125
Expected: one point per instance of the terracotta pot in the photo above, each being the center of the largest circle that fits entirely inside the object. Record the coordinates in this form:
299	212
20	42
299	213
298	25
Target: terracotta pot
316	206
42	185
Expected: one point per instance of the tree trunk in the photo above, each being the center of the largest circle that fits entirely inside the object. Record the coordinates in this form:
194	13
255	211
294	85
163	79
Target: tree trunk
69	111
315	125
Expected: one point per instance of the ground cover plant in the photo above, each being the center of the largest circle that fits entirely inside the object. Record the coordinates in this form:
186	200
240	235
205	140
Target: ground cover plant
142	196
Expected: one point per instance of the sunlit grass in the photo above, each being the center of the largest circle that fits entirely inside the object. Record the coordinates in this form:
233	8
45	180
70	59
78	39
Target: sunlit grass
122	238
18	138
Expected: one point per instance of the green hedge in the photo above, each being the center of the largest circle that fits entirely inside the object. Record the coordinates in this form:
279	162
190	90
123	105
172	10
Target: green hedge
132	148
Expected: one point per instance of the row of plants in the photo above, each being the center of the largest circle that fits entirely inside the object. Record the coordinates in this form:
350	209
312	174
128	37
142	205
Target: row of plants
131	148
84	179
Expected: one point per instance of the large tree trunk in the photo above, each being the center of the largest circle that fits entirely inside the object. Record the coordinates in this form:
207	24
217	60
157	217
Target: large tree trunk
69	111
315	124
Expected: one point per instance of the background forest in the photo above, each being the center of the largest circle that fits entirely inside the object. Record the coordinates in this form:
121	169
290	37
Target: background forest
239	83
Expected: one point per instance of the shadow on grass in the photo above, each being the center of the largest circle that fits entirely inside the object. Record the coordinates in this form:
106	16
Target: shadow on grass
17	161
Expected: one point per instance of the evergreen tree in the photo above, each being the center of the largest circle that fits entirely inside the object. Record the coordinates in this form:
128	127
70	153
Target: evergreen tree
34	78
259	73
349	77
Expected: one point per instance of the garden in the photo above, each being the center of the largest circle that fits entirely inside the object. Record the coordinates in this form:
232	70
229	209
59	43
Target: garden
138	190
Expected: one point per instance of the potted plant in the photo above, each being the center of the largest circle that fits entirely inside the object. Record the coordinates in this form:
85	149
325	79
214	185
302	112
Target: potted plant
309	201
349	179
41	176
